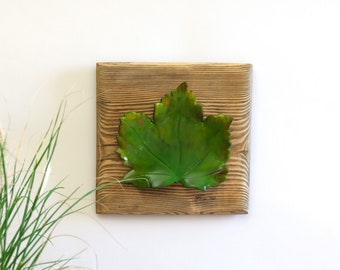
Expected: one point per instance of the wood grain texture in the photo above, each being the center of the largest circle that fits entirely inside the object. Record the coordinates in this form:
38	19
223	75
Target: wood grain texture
126	87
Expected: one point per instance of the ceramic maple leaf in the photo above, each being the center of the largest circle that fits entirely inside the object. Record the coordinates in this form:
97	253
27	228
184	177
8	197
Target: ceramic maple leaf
177	145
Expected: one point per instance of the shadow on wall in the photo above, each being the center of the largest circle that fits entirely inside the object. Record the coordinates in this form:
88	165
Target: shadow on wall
75	153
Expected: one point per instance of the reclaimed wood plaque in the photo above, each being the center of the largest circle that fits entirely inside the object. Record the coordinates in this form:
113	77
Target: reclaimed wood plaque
127	87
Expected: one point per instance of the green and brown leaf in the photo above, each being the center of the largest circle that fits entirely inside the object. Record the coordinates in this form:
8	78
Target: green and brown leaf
177	145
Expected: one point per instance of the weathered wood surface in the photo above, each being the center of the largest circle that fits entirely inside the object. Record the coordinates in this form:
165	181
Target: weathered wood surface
125	87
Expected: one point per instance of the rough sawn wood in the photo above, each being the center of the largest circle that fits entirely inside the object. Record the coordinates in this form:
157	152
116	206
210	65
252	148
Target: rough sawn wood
126	87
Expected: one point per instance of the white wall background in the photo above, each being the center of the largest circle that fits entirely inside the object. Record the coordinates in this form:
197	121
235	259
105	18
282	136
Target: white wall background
49	49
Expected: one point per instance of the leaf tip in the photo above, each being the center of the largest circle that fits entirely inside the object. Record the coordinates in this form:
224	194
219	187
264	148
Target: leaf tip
182	87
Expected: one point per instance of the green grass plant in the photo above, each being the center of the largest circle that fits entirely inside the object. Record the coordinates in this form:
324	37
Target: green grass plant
29	211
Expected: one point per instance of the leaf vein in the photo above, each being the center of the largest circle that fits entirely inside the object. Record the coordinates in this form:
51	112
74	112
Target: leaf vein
149	150
203	157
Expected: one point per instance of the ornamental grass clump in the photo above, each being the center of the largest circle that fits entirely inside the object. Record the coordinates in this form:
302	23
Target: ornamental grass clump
28	211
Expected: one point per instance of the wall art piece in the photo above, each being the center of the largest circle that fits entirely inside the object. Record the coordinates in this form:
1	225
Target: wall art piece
176	135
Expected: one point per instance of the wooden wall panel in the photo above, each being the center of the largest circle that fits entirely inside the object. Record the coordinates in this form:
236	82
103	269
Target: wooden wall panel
126	87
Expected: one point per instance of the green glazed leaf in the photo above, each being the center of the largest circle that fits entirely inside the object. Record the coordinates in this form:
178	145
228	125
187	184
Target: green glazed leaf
177	145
